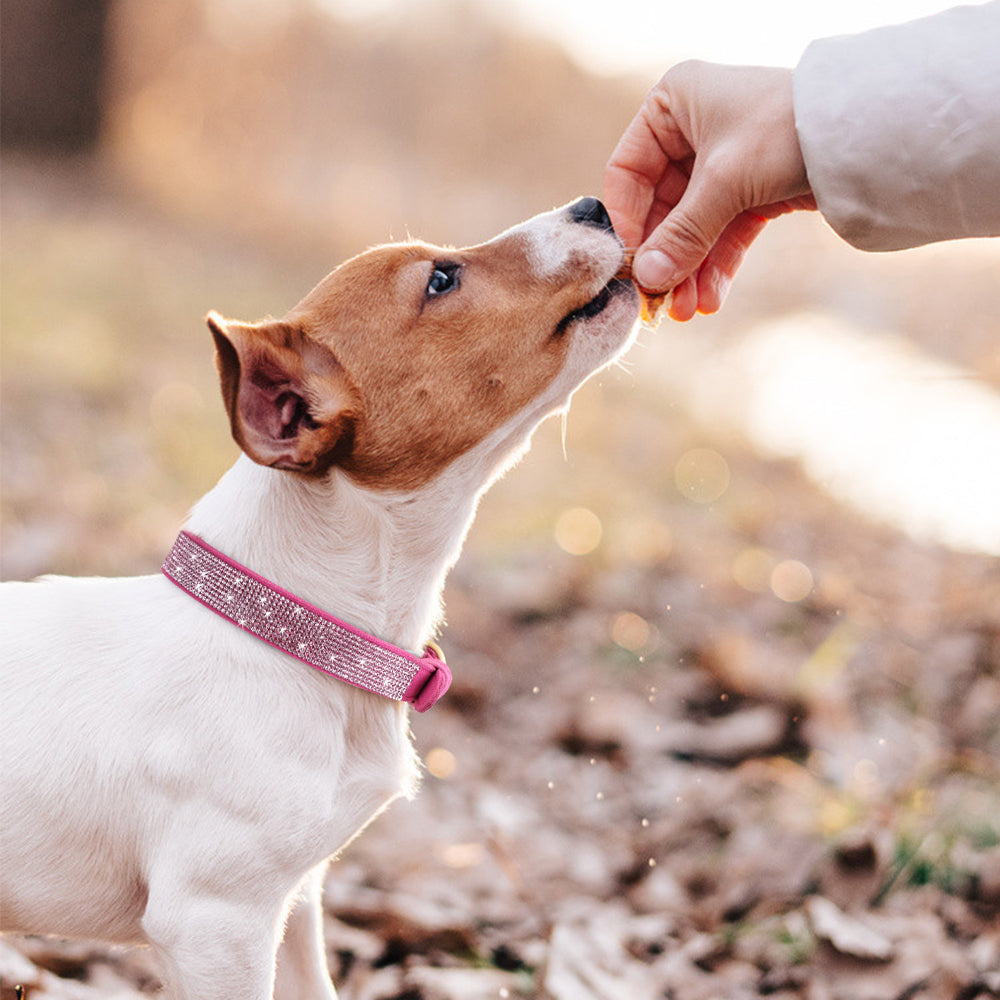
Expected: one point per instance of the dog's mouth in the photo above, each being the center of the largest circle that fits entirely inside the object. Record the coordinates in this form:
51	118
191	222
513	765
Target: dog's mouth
596	305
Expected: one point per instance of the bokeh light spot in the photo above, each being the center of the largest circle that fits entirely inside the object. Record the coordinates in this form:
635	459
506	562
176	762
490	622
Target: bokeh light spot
631	631
702	475
441	763
578	531
752	570
791	581
466	855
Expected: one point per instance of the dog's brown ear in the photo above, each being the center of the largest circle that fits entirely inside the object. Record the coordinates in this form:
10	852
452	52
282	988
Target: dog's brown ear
289	401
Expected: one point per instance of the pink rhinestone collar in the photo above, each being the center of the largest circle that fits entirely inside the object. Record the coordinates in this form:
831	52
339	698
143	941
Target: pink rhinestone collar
301	630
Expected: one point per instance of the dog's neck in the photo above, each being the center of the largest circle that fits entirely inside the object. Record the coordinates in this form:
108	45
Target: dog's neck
377	560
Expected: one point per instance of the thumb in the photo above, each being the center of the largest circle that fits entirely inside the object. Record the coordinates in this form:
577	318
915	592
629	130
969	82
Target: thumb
682	241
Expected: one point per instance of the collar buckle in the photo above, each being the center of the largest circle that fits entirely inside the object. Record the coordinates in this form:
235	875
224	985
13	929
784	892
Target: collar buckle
432	680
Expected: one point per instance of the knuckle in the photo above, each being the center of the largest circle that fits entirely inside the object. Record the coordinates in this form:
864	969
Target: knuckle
688	231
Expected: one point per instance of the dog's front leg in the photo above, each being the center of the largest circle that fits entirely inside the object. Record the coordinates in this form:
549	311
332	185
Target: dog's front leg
212	947
302	967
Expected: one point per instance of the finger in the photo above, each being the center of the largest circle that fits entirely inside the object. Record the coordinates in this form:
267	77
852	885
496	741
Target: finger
712	287
684	303
628	202
723	261
630	179
637	168
679	245
669	191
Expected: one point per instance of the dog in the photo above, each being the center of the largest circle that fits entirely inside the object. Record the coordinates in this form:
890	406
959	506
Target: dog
168	777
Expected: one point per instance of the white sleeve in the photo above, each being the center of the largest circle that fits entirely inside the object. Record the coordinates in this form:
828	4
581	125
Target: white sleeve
900	129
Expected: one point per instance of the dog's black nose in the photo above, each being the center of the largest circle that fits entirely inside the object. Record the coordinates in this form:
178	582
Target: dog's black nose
590	212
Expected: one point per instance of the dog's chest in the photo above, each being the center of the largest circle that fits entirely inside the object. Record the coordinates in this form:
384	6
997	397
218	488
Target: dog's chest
193	745
294	760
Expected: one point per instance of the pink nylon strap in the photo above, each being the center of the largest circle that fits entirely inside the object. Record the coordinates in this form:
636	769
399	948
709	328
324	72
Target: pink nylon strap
298	628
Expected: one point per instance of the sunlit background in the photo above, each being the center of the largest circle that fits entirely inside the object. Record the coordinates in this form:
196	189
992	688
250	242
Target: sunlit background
305	131
790	509
645	36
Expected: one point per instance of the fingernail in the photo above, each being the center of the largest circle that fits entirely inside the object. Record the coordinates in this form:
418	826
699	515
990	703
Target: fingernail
654	270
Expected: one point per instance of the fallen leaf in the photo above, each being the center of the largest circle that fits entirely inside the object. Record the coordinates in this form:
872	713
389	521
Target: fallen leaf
848	935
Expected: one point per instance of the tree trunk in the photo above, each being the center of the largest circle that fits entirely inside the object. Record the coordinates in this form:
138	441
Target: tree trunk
52	60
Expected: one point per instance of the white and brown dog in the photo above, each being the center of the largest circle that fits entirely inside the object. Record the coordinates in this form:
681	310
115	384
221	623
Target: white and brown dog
168	777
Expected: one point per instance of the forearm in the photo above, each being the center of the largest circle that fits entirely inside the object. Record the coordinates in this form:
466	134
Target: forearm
900	129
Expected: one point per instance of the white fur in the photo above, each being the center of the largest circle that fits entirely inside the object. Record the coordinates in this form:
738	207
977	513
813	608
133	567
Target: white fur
168	778
555	243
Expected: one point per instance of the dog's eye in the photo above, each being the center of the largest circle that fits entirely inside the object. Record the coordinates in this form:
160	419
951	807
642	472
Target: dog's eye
444	278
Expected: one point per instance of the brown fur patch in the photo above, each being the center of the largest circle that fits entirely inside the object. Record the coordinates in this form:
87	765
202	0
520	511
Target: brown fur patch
289	402
410	382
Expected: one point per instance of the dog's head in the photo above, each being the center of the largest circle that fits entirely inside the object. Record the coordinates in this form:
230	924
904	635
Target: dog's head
409	355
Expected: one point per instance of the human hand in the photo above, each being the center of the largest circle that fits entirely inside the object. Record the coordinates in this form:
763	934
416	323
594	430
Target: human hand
711	156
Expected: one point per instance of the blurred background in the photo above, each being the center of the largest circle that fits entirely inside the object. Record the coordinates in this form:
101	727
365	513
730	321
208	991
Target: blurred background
726	643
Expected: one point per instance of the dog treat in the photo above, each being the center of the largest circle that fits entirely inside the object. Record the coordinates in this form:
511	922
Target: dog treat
651	303
625	271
